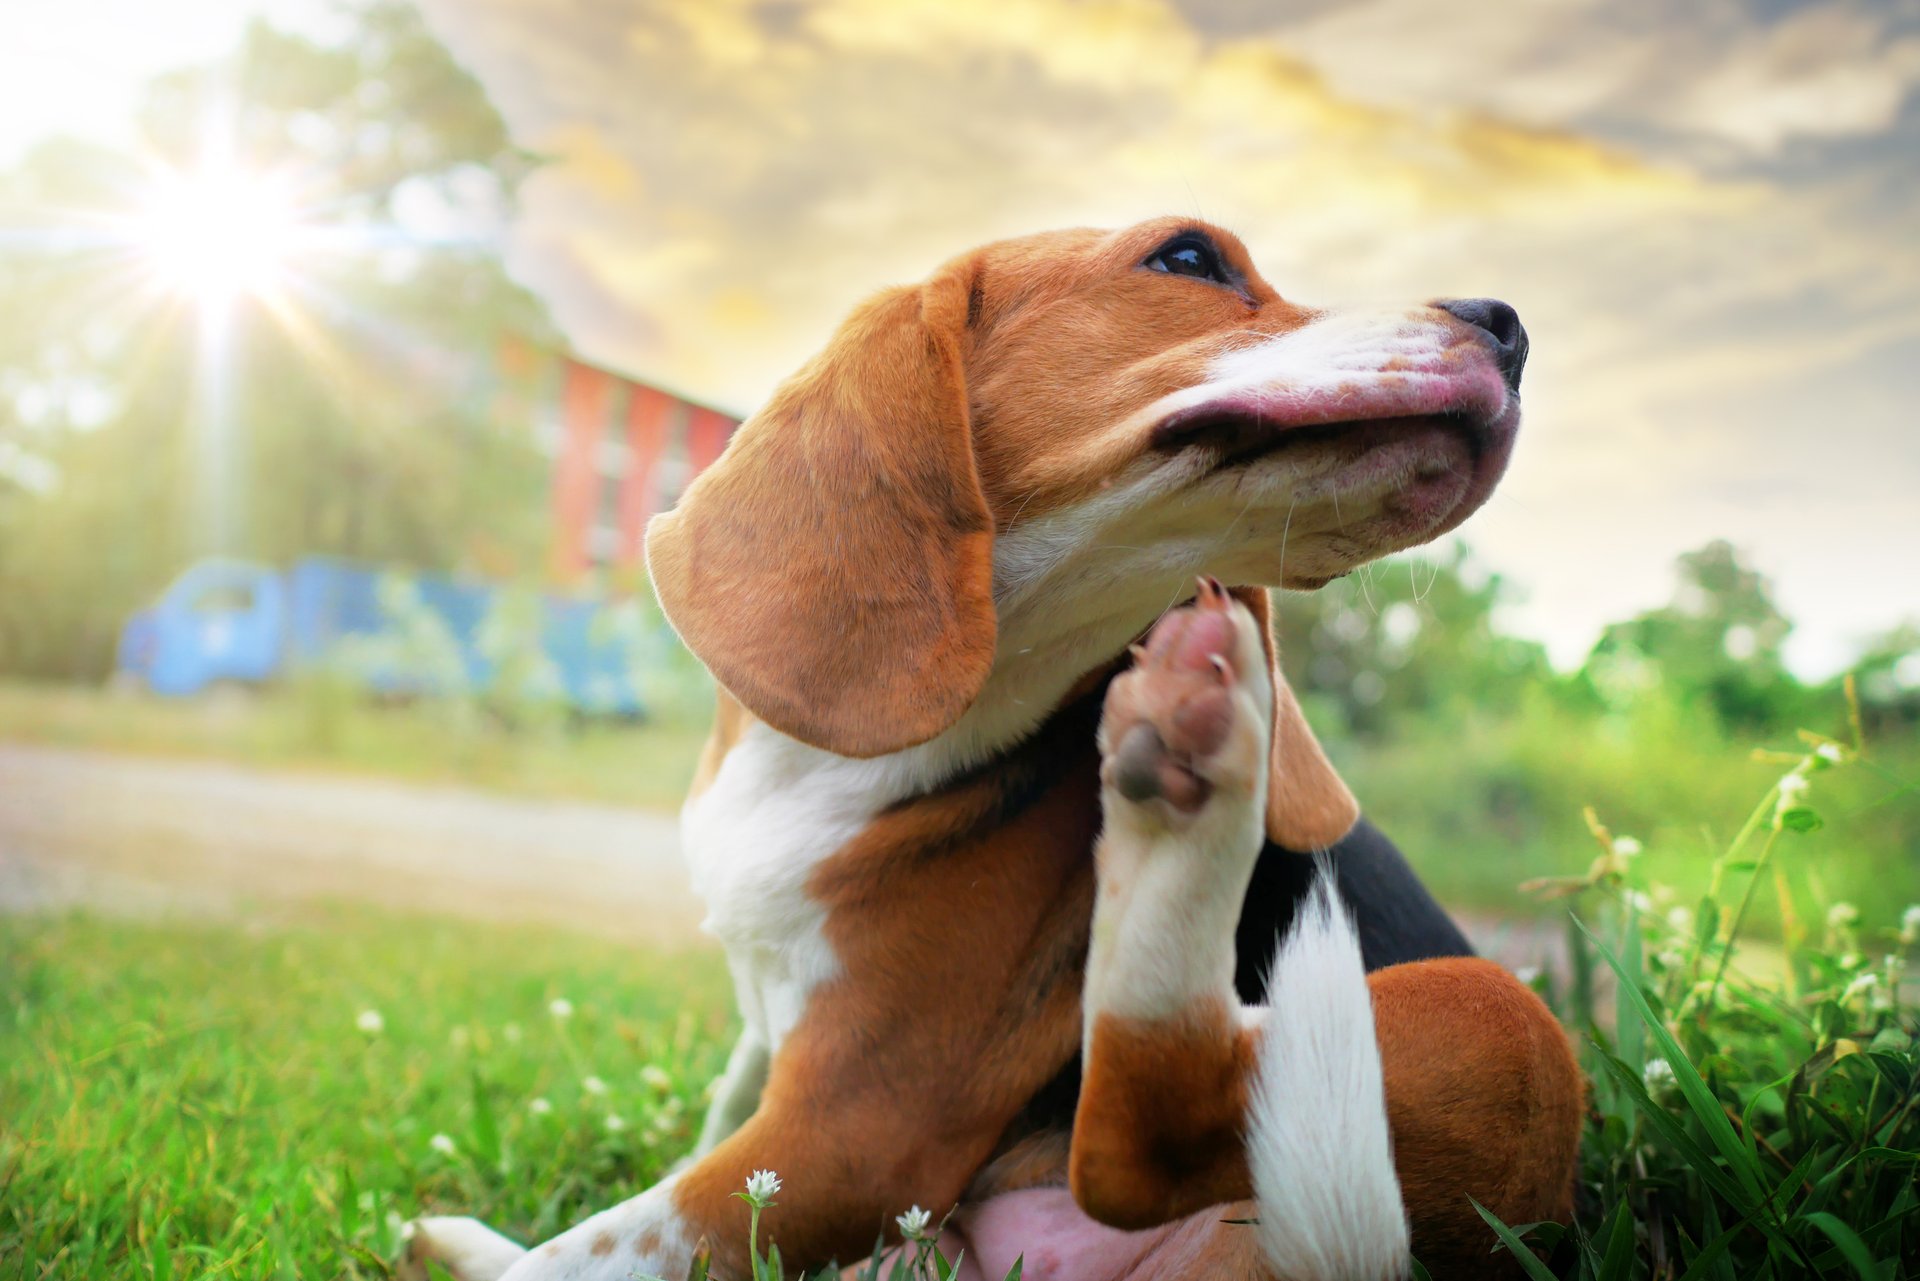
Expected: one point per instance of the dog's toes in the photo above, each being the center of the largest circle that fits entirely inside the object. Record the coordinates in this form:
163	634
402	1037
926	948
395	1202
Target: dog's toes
465	1249
1168	732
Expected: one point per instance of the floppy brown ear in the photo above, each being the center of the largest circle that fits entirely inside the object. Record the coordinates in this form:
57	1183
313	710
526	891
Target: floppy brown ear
1308	804
834	569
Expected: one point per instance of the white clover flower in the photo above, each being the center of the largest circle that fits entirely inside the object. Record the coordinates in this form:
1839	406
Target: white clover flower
1680	920
1842	916
370	1022
762	1185
654	1077
1910	925
539	1107
443	1144
1829	752
1791	785
615	1123
913	1224
561	1008
511	1032
1626	847
1657	1075
593	1085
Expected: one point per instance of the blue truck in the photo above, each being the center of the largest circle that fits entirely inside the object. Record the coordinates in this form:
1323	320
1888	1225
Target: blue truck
231	622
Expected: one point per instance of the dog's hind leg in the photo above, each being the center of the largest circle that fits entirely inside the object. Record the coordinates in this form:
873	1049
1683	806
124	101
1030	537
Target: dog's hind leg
1358	1113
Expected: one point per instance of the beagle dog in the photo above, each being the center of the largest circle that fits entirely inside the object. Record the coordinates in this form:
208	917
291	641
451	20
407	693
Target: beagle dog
998	886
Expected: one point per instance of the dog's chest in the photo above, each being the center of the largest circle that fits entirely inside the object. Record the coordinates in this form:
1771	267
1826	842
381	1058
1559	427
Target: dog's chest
753	839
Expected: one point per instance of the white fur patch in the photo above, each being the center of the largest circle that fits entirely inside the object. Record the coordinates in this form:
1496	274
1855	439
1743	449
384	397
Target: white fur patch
1317	1138
467	1248
571	1256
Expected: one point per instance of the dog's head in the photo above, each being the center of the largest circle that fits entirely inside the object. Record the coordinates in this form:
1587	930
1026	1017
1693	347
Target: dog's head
1020	463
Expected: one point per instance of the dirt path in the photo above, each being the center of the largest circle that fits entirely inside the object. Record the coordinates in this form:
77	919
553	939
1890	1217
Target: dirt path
136	835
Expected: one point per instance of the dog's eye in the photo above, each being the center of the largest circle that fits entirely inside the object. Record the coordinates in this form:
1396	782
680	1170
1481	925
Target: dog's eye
1188	256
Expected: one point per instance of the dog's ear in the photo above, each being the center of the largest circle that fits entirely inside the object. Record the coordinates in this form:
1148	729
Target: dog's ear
1308	804
834	569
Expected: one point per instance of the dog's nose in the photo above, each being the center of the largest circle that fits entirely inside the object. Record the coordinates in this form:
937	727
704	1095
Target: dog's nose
1501	324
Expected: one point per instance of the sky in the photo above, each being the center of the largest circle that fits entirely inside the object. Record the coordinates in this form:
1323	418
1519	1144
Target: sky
1707	214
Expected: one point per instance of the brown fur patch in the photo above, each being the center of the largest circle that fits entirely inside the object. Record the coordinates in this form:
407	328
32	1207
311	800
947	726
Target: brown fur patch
1162	1108
1484	1099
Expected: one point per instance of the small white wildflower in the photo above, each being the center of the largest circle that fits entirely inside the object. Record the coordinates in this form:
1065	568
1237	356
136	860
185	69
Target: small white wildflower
1829	752
1639	902
1842	916
1910	925
1626	847
443	1144
1791	785
1671	958
511	1031
654	1077
370	1022
593	1085
762	1186
560	1007
1527	974
1657	1075
539	1107
913	1224
1680	920
615	1123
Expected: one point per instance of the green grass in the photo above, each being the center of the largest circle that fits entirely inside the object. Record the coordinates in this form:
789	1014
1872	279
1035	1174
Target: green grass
1486	804
1740	1127
195	1101
316	728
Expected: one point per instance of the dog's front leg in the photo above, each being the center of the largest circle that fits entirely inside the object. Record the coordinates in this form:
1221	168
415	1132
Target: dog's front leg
736	1095
1348	1110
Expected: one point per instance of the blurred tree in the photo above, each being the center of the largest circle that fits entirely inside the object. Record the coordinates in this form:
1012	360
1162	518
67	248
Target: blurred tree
357	394
1887	678
1408	638
1717	646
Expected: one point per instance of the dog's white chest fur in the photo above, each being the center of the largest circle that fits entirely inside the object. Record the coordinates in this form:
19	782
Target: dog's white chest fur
774	811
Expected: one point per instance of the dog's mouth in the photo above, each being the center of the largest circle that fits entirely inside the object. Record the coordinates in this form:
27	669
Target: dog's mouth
1432	453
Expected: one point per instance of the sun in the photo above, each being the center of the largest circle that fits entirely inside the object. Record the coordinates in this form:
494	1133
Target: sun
217	233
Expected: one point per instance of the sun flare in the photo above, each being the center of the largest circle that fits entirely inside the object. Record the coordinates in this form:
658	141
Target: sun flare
218	233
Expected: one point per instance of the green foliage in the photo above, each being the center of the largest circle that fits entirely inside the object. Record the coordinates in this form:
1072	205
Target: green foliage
1753	1115
348	416
1719	642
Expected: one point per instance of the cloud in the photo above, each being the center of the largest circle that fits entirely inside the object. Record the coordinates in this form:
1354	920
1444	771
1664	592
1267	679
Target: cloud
729	177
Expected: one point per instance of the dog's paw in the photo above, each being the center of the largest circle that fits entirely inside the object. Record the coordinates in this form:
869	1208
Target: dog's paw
1192	717
464	1249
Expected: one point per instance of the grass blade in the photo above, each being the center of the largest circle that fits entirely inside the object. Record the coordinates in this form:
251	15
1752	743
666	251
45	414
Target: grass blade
1528	1260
